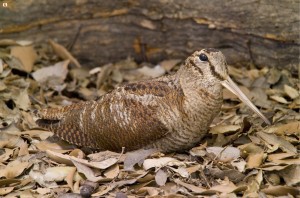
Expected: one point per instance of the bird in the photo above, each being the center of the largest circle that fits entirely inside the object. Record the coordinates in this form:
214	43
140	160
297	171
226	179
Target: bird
169	113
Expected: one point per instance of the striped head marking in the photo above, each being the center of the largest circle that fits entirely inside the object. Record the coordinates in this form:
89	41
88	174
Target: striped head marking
210	63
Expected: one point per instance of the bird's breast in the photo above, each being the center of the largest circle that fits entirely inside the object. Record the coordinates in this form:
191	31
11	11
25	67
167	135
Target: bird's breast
190	122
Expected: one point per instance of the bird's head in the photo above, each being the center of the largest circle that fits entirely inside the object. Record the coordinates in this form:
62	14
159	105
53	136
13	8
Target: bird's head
211	65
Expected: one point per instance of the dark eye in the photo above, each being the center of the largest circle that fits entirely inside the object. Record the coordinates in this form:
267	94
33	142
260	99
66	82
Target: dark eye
203	57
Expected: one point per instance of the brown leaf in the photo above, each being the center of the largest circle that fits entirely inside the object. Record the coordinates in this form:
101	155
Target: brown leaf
254	185
57	173
291	174
227	187
291	127
254	160
14	169
87	171
279	99
226	154
277	141
99	165
291	92
6	190
135	157
112	171
23	149
224	129
63	53
281	191
26	55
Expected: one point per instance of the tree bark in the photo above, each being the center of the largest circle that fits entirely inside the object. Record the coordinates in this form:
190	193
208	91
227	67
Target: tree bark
264	33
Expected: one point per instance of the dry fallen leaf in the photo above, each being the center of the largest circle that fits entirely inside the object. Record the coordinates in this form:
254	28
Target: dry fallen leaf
291	127
62	52
279	99
57	173
161	177
224	129
53	75
277	141
14	169
112	171
26	55
100	165
87	171
160	162
291	92
224	154
281	191
135	157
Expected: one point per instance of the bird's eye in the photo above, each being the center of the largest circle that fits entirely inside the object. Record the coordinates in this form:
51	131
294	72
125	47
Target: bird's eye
203	57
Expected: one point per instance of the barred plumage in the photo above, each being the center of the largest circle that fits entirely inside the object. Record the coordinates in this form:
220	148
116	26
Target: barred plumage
169	113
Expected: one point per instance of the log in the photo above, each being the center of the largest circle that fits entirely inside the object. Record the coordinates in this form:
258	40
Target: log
263	33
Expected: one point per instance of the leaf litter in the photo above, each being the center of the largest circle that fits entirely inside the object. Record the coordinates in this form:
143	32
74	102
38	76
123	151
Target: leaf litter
240	156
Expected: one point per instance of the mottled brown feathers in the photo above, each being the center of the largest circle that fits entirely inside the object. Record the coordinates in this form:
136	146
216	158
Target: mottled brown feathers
167	113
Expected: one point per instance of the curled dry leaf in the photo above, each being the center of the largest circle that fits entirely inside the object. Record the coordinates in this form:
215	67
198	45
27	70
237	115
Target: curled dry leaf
87	171
46	145
63	53
100	165
224	129
14	169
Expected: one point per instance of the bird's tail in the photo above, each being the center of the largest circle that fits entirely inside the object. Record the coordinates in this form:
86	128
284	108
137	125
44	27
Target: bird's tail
66	122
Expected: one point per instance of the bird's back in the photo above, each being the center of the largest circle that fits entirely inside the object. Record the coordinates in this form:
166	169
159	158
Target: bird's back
130	116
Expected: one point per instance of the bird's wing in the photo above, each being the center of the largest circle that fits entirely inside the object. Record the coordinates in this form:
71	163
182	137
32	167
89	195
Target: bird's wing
127	117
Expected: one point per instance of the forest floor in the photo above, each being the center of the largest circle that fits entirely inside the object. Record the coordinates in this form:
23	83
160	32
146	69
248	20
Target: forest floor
240	156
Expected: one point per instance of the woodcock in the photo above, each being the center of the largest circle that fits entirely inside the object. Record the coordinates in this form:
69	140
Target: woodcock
168	113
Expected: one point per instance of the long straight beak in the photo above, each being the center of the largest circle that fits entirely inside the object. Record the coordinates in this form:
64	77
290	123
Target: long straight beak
231	86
